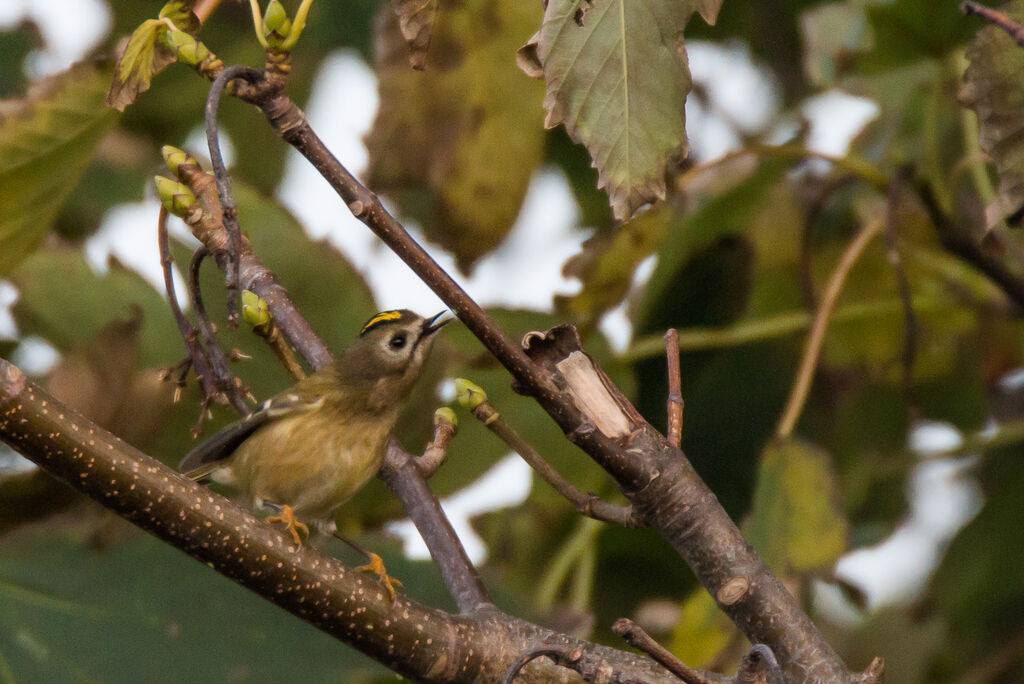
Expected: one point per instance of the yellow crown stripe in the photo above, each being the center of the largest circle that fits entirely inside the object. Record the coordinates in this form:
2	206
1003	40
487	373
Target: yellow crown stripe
380	318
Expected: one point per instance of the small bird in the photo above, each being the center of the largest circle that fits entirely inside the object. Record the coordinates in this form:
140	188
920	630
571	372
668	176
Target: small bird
310	448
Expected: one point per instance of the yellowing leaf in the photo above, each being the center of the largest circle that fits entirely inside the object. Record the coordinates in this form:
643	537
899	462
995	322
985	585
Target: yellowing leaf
994	89
703	630
46	141
795	522
608	260
466	128
617	77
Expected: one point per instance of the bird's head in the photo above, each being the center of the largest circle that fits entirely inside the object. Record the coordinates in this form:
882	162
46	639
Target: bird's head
389	353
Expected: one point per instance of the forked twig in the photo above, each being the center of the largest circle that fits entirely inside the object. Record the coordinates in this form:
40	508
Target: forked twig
587	503
226	381
196	356
220	175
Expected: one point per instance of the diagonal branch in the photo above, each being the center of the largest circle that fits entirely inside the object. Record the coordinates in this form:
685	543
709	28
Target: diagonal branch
416	641
664	489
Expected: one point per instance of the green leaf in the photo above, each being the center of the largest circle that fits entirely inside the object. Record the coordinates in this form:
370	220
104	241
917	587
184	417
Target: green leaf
720	216
795	522
458	142
994	89
62	606
617	77
143	56
977	586
46	141
906	31
70	311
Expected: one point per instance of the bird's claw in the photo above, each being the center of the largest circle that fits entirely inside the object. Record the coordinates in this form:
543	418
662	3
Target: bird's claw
376	565
287	516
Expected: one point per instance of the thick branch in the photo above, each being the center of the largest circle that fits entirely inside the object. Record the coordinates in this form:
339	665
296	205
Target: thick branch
414	640
676	502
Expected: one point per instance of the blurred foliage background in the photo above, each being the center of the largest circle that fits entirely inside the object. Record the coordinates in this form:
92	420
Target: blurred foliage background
735	257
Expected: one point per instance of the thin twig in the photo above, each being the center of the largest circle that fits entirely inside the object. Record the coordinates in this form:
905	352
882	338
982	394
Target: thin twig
997	18
220	174
404	478
586	503
674	430
224	378
437	451
812	349
899	179
635	636
197	357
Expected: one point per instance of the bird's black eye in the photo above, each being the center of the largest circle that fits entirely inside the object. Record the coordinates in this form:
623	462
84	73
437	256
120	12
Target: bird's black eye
398	341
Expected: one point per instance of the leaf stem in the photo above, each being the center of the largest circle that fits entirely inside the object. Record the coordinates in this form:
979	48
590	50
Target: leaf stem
812	350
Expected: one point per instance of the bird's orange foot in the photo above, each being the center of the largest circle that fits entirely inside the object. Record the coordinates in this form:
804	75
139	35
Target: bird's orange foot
376	565
287	516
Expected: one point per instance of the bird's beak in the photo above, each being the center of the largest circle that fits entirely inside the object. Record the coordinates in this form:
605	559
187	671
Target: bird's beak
432	324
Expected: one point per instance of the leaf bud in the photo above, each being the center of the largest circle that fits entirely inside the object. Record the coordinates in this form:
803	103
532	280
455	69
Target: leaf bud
254	309
186	48
469	394
175	157
276	23
446	414
176	197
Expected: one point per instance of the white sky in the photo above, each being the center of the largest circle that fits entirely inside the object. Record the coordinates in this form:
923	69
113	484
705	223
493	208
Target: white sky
943	497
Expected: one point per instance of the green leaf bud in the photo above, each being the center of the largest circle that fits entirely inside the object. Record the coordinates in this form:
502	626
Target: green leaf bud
469	394
175	157
254	309
276	23
186	48
176	197
446	414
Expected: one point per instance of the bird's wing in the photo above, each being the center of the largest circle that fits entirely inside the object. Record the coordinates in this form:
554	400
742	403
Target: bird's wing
206	457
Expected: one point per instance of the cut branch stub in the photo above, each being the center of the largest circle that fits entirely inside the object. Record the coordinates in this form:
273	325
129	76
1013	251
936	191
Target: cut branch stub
594	395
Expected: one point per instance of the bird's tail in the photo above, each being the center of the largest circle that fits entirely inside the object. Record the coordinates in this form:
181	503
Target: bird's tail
204	471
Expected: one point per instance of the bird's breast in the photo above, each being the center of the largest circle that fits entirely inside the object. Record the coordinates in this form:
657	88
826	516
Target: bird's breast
312	462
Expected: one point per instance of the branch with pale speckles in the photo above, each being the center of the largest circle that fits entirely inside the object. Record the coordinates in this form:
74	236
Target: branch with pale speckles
412	639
